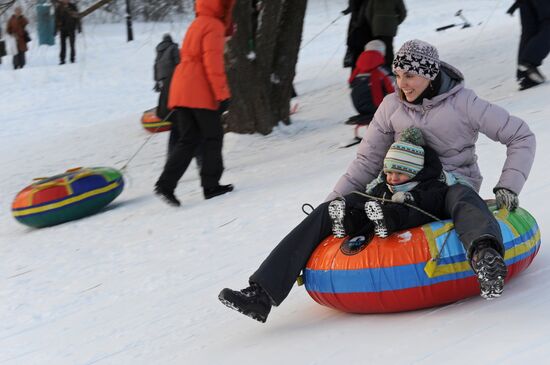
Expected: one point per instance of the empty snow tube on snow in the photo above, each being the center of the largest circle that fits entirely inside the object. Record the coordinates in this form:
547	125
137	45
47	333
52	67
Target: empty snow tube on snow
411	269
154	124
74	194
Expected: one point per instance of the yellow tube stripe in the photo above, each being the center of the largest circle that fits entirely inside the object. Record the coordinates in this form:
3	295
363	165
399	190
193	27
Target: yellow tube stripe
23	212
156	124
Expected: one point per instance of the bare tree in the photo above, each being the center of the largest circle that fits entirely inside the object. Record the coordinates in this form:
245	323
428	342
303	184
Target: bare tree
261	61
5	5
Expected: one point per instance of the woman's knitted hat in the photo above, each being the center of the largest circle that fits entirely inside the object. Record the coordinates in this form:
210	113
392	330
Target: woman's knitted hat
406	155
417	57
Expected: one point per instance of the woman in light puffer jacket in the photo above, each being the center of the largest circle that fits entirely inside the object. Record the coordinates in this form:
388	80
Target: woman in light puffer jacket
432	97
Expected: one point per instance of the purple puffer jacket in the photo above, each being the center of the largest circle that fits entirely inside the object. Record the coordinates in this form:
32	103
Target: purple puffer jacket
450	122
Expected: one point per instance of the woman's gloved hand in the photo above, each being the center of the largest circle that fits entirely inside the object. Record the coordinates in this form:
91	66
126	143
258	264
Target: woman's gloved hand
506	199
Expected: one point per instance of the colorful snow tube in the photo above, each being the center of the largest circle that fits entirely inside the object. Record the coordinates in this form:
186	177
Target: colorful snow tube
74	194
154	124
418	268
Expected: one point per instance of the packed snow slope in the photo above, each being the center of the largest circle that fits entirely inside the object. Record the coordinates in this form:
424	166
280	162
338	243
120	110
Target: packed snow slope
138	282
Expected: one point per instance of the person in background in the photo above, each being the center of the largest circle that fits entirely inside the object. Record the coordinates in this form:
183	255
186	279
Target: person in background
2	46
67	23
199	93
20	37
166	60
384	17
534	43
359	32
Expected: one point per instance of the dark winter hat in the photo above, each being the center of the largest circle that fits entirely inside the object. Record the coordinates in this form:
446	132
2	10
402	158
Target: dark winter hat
167	37
417	57
406	155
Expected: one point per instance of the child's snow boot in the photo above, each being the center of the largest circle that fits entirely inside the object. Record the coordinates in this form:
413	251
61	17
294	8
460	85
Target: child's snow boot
376	215
252	301
337	211
490	269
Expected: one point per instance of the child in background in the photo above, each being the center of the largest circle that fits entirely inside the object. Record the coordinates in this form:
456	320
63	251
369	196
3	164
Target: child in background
370	82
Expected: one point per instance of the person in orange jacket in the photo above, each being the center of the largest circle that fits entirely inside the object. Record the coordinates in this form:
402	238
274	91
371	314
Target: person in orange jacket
199	95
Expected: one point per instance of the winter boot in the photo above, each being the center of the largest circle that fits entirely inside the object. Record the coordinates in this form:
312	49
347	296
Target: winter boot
527	83
252	301
376	215
167	196
521	73
217	190
490	269
336	211
529	76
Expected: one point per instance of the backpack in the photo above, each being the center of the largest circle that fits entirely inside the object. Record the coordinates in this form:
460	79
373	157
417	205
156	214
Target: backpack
361	90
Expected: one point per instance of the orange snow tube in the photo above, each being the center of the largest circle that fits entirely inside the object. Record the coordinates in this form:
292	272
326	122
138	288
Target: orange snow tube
152	123
417	268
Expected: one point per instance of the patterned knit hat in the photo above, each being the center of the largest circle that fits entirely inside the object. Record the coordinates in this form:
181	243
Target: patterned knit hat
406	155
417	57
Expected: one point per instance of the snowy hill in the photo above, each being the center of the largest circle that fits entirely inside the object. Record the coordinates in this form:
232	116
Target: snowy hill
138	283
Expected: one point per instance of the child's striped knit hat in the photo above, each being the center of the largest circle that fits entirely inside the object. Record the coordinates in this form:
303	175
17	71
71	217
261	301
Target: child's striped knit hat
406	156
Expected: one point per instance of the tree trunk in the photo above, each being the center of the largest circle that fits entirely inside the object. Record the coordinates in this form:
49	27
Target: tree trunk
94	7
261	63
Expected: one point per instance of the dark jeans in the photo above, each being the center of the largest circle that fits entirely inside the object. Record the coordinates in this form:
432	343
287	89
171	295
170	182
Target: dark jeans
19	60
194	126
534	43
63	39
277	274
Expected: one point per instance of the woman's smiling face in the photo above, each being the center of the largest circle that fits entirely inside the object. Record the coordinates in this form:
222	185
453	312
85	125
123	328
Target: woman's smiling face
411	84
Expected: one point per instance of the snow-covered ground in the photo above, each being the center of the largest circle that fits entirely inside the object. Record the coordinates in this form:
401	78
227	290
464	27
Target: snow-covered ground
138	283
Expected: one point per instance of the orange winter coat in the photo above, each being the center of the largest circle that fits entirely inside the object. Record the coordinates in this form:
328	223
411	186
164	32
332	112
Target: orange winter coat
199	80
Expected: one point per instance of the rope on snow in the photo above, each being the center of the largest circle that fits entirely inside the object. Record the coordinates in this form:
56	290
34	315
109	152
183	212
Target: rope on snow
146	141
